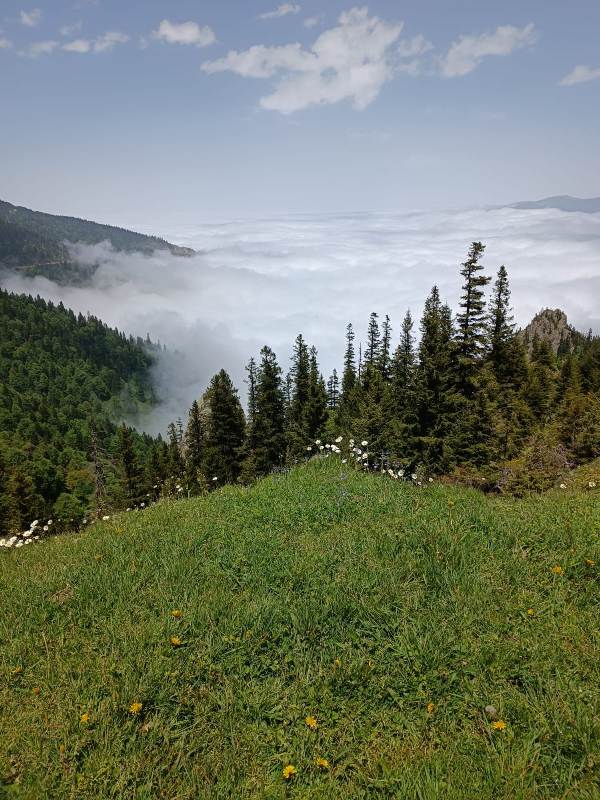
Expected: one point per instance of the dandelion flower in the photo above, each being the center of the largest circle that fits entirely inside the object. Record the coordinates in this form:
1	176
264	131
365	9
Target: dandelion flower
590	562
322	762
135	707
289	771
84	718
430	708
311	722
337	662
557	570
530	612
176	613
175	641
499	725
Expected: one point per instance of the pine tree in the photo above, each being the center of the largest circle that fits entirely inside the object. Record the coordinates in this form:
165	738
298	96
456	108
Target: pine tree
316	406
386	345
222	453
269	422
434	391
349	374
251	369
132	476
195	440
176	466
373	351
333	391
471	320
300	372
403	424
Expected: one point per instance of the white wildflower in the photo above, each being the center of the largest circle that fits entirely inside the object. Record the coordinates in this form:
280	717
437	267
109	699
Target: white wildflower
344	460
309	448
563	486
364	456
317	441
339	439
430	480
106	517
19	544
215	478
45	528
142	504
364	443
592	485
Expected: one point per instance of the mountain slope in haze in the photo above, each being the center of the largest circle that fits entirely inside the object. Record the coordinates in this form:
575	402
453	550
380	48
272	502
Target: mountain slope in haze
35	243
562	203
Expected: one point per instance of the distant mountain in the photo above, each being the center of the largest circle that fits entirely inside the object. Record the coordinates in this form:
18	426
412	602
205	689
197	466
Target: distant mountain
562	202
34	243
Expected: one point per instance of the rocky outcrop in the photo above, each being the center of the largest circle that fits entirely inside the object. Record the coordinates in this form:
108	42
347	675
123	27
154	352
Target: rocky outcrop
551	325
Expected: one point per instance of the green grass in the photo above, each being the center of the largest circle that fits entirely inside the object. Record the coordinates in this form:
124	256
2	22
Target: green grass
335	594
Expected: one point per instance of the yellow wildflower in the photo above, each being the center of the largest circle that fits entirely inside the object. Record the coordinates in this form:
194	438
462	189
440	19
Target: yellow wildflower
590	562
84	719
135	707
557	570
17	670
499	725
430	708
311	722
175	641
322	762
530	612
176	613
337	662
289	771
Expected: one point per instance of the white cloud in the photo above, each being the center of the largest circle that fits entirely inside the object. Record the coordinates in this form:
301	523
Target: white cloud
70	30
5	44
467	53
417	46
103	44
581	74
281	11
78	46
312	22
109	40
349	62
263	281
184	33
31	18
36	49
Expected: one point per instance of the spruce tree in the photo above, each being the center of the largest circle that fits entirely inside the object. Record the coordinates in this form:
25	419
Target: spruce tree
269	432
195	440
5	515
300	372
373	351
251	380
176	466
222	452
349	374
131	472
471	320
434	391
333	391
315	415
403	423
386	345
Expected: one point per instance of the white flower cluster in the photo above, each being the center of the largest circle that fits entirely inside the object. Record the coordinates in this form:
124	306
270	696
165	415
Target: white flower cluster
35	532
592	485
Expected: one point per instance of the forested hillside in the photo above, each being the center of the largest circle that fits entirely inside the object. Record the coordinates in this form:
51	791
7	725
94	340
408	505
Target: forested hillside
63	376
34	242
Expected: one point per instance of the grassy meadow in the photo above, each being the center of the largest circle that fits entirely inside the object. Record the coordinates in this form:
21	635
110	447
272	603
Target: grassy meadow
336	635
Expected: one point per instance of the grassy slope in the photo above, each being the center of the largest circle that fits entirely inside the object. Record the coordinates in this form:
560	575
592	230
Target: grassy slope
349	597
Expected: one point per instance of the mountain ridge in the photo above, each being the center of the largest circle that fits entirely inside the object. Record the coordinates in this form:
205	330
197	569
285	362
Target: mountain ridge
562	202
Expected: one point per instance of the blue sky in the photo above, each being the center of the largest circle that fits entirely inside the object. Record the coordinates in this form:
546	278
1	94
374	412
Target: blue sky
140	111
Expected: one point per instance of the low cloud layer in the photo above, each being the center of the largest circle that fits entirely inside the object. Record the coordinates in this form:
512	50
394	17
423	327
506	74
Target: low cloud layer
257	282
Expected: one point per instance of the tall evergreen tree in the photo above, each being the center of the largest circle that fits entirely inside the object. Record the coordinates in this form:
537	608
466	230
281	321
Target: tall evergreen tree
251	380
176	465
333	391
316	406
300	373
4	499
386	345
373	351
195	441
132	479
222	453
349	374
269	423
471	319
403	427
435	385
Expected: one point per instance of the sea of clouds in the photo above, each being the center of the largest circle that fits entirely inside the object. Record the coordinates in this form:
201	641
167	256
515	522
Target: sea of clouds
256	282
